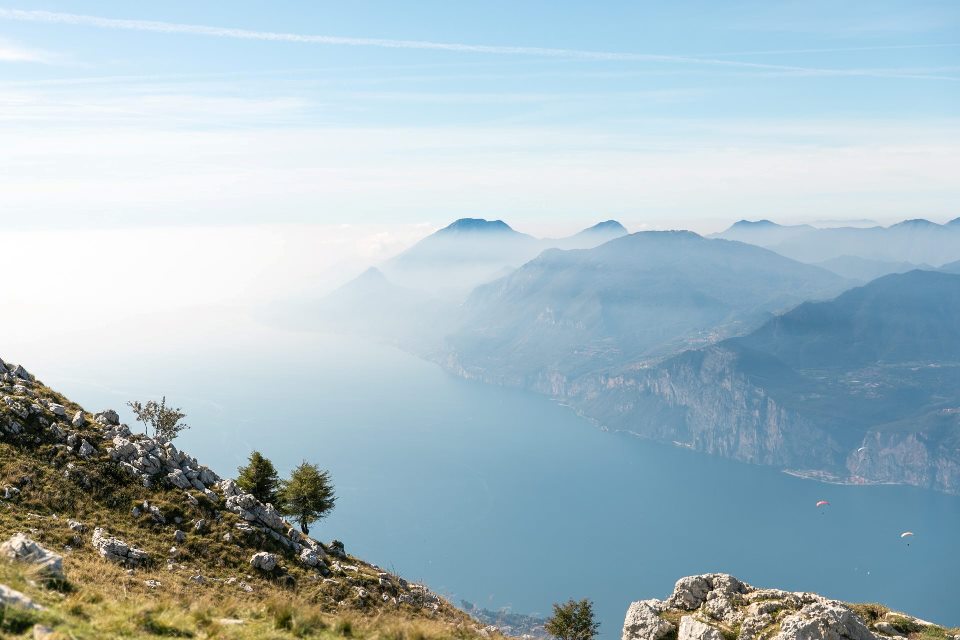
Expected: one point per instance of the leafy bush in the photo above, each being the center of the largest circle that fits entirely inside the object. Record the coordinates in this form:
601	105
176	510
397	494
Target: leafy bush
573	620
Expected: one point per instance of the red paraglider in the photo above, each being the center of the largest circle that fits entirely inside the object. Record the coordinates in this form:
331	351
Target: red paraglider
822	503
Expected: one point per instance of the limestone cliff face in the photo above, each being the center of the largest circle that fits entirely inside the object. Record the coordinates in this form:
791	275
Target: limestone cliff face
704	401
701	402
717	606
916	458
863	388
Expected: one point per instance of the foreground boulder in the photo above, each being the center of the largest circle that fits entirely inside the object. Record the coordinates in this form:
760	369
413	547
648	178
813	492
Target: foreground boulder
20	548
717	606
12	598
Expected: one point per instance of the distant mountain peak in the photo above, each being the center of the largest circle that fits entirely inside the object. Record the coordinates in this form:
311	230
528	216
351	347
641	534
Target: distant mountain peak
954	223
372	274
607	226
915	222
740	224
477	225
665	234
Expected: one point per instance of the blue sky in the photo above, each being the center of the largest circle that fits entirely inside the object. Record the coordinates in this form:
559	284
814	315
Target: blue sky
547	114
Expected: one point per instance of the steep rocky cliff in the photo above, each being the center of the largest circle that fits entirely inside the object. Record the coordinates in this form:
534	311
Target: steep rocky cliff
717	606
704	401
864	388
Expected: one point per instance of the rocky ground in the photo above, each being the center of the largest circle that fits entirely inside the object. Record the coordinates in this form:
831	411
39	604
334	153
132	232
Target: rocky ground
114	534
718	606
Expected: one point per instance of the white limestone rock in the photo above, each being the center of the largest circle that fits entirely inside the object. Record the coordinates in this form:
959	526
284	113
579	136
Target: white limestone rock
263	561
309	558
643	621
824	620
13	598
693	629
86	449
16	408
20	548
19	372
117	550
108	417
178	479
689	593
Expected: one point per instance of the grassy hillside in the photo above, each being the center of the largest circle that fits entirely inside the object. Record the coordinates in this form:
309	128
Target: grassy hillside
200	586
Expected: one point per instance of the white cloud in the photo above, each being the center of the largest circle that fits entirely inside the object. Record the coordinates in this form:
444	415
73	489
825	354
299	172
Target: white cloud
148	108
120	177
542	52
13	52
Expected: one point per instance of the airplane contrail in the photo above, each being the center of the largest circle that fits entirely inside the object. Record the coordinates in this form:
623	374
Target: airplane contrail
247	34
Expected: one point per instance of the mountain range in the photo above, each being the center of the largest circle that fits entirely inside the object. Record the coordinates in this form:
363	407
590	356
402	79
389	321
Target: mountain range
471	251
414	299
632	299
713	343
857	251
861	388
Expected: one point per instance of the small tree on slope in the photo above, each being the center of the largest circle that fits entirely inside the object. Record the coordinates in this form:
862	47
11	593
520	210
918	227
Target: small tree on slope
166	421
260	478
308	495
573	620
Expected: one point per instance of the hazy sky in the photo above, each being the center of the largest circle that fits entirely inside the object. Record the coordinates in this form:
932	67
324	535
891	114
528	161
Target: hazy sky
548	114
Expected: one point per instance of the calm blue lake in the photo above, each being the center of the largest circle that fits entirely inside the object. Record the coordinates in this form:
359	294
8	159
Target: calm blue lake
506	499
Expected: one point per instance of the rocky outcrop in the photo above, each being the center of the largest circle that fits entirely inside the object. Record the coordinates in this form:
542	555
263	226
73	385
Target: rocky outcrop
826	620
117	550
643	621
154	458
264	561
718	606
20	548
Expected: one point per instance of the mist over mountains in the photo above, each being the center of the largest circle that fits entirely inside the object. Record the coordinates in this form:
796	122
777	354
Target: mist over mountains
640	296
755	344
471	251
860	252
414	298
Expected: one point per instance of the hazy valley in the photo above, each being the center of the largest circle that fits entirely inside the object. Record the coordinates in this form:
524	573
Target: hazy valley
707	343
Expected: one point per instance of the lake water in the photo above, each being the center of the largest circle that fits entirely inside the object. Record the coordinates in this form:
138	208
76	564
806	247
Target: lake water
506	499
